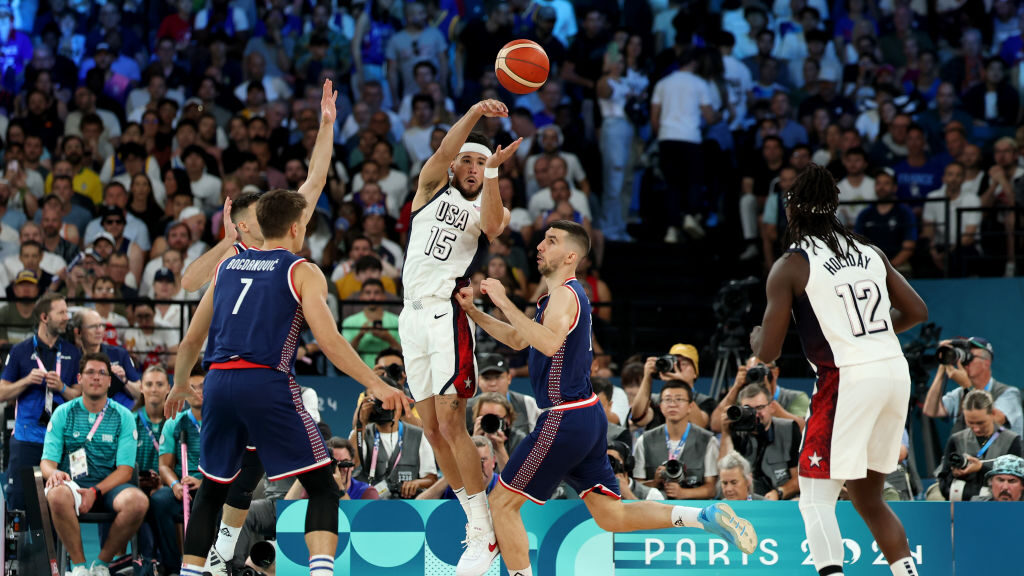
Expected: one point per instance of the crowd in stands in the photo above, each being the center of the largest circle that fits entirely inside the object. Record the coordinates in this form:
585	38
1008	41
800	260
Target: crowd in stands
126	125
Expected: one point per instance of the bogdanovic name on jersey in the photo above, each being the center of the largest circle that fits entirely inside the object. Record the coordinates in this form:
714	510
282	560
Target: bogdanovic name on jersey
247	265
837	263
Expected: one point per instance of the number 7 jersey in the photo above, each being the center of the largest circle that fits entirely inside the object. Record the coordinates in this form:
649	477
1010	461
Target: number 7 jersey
446	245
843	315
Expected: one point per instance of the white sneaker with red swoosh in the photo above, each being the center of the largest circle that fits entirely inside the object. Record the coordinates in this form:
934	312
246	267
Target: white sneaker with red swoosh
481	550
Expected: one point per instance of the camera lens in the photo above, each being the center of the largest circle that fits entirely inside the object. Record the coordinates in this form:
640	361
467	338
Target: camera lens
490	423
673	470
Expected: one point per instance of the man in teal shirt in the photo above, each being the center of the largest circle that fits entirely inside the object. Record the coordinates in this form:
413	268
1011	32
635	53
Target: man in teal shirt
88	456
374	329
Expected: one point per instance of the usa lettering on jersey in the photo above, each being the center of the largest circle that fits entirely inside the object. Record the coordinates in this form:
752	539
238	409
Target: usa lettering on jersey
452	215
247	265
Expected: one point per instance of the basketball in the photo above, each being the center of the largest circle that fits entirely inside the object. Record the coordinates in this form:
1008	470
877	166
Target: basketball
521	66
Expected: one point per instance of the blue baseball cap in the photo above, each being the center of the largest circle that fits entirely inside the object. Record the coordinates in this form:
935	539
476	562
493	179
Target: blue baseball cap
982	343
1007	464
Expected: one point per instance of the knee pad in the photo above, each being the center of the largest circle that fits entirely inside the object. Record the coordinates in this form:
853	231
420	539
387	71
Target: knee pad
322	510
240	493
202	526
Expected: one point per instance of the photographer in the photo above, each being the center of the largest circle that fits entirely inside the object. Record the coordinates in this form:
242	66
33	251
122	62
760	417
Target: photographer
390	363
770	444
342	466
395	458
786	404
679	457
621	459
1005	480
969	452
495	377
681	364
493	416
442	491
969	364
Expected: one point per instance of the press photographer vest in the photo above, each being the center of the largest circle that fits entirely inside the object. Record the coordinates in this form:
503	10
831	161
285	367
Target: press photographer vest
786	399
408	467
774	464
522	421
965	442
640	490
692	457
996	391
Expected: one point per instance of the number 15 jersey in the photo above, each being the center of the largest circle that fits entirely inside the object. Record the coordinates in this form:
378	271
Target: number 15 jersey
446	245
843	315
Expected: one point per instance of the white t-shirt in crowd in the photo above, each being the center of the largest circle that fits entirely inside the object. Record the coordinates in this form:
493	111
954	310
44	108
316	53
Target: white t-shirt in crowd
681	95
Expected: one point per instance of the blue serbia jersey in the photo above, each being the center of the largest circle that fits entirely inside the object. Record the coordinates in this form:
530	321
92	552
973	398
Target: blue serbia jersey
257	316
564	377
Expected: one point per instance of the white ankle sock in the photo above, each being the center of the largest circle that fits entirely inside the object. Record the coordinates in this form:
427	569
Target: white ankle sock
480	517
686	517
321	565
227	537
463	500
521	572
904	567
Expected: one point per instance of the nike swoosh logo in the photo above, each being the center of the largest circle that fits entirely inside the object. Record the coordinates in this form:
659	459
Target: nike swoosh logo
436	316
492	547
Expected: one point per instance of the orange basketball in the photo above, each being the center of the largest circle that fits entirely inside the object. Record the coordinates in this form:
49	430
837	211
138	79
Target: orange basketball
521	66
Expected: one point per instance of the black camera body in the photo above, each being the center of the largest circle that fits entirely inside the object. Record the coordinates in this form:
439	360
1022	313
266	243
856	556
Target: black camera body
957	351
378	415
490	424
673	470
957	461
758	374
741	418
666	363
394	371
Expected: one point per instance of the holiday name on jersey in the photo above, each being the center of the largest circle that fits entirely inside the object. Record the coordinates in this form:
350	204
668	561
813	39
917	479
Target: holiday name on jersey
452	215
247	265
835	264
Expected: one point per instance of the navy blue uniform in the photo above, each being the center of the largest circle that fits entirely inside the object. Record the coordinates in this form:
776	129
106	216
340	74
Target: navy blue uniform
120	357
569	440
250	396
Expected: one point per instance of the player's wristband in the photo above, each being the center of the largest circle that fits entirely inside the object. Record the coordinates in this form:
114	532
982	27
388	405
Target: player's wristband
490	172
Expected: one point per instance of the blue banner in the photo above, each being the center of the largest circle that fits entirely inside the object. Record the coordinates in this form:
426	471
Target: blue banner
403	538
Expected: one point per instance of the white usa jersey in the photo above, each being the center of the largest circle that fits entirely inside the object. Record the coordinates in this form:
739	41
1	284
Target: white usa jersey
446	245
843	316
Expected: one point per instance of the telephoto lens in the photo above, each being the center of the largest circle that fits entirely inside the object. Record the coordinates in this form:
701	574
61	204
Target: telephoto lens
490	423
673	470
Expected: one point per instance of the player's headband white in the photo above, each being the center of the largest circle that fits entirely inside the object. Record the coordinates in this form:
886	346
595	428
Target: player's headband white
474	147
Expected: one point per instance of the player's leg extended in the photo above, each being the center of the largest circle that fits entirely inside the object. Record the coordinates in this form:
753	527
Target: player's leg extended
321	519
885	526
442	452
818	507
509	529
450	411
614	515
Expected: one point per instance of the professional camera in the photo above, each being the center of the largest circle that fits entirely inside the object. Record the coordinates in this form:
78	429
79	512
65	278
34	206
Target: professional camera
262	555
741	418
666	363
490	424
957	461
758	374
347	463
378	414
957	351
394	371
617	466
673	470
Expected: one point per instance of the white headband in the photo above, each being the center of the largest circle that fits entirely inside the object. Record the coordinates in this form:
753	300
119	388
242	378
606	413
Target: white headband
474	147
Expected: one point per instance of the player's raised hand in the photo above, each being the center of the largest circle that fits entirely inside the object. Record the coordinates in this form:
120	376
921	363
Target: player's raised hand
465	299
495	289
230	230
328	108
502	154
492	108
176	400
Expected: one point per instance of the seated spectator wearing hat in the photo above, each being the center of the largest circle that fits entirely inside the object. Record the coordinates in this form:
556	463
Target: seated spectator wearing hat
686	369
1005	480
969	452
495	378
115	195
16	320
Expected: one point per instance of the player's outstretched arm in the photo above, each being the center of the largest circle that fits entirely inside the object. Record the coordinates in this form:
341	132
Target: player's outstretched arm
766	340
435	170
500	331
201	270
312	288
493	215
559	316
908	309
323	150
188	354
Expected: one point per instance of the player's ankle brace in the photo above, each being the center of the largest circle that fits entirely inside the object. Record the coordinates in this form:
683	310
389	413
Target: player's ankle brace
322	510
240	494
202	526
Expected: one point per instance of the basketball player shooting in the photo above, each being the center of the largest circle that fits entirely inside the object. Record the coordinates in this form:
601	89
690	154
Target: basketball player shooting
569	442
848	303
452	224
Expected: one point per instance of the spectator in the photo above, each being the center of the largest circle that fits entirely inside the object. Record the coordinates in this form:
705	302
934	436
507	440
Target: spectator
547	199
16	320
365	268
982	439
115	201
891	148
377	459
693	448
47	262
424	73
1005	479
889	225
85	181
943	238
132	160
149	422
605	392
101	481
375	228
993	101
481	38
917	174
117	269
58	237
441	490
85	104
891	44
621	458
496	378
30	255
393	182
974	372
374	329
686	368
679	103
787	404
151	343
142	204
182	428
73	211
416	42
968	68
771	445
735	478
935	120
205	187
416	137
506	438
179	238
551	140
756	186
17	51
90	329
856	186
